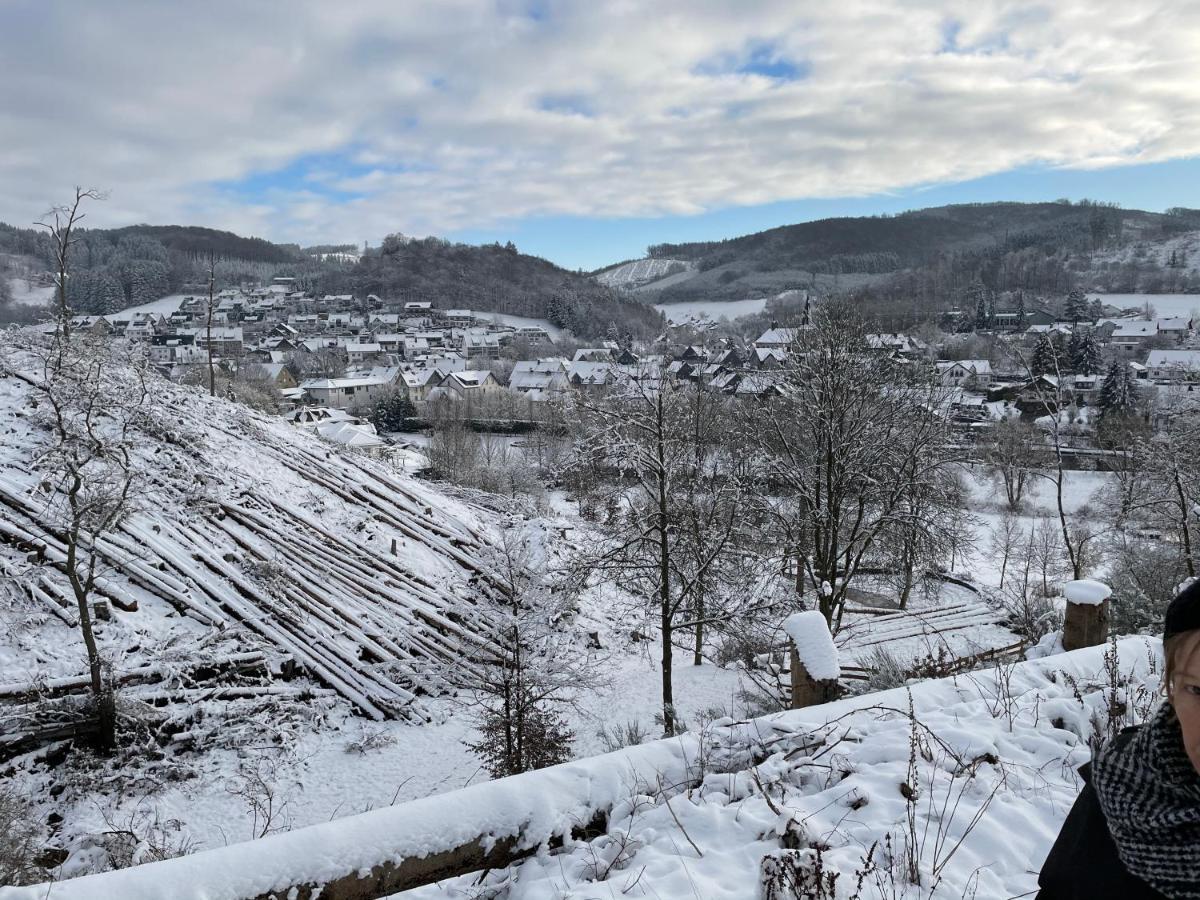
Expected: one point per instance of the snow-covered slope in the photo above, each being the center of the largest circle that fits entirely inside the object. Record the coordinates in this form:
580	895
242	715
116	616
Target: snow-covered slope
248	536
641	272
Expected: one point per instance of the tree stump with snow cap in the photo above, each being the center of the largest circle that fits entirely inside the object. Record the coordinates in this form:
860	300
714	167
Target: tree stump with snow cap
1086	621
815	666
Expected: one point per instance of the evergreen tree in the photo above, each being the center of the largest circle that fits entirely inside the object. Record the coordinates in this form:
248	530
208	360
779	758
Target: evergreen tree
1077	306
1045	359
1021	311
1086	360
977	299
1096	310
390	410
1118	393
1074	351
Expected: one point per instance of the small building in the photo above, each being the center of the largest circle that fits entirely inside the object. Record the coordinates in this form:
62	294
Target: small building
1174	366
777	338
966	373
1131	335
345	393
358	353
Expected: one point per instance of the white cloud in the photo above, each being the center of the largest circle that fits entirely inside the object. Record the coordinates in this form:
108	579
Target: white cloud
460	114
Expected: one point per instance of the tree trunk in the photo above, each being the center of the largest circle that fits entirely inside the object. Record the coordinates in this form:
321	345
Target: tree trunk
664	578
102	698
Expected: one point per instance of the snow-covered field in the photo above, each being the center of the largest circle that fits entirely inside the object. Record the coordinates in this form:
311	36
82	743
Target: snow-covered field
1165	305
522	322
163	306
710	310
30	294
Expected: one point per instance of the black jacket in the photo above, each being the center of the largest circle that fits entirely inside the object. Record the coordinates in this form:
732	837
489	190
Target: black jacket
1083	863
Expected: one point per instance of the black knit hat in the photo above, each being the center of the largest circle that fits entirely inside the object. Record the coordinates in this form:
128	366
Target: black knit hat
1183	613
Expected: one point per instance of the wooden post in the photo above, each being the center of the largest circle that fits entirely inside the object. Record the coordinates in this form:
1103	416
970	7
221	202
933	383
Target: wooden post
1085	623
809	691
814	659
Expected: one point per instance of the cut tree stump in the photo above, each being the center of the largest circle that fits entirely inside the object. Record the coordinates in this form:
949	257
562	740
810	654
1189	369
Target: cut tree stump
1085	625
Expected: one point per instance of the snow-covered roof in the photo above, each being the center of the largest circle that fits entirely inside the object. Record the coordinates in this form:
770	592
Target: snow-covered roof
1184	359
778	336
1135	328
1174	323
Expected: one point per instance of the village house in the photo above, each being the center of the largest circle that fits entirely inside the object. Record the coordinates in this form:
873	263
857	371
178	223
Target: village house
1177	327
358	353
539	379
1174	366
478	343
1131	335
347	393
775	338
174	349
966	373
1013	320
225	341
418	383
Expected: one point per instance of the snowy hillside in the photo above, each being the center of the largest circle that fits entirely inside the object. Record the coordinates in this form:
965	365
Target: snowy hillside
640	272
248	535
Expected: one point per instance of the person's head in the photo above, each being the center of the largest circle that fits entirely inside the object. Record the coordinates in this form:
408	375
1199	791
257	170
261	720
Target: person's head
1181	650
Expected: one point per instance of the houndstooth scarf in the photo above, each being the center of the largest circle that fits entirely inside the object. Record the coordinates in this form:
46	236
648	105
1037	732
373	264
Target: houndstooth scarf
1150	794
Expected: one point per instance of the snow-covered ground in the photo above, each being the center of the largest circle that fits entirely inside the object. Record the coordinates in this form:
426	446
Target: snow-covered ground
952	788
316	761
164	306
521	322
641	272
30	294
1165	305
710	310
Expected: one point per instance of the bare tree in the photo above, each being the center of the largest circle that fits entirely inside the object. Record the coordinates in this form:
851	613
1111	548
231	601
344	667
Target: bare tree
1012	455
676	509
855	447
91	400
1052	398
1005	540
1167	498
61	222
212	281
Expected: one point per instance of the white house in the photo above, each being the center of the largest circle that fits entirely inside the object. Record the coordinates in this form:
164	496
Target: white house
360	353
967	373
344	393
539	378
777	338
1132	334
1174	365
1177	327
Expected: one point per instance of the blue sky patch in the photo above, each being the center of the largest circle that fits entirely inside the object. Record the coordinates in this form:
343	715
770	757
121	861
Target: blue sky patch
567	105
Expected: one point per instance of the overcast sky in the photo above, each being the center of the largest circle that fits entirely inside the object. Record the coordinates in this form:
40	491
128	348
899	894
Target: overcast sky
586	130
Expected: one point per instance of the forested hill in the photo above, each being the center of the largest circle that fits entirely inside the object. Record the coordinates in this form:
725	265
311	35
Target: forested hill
121	267
493	278
193	239
1040	247
114	268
